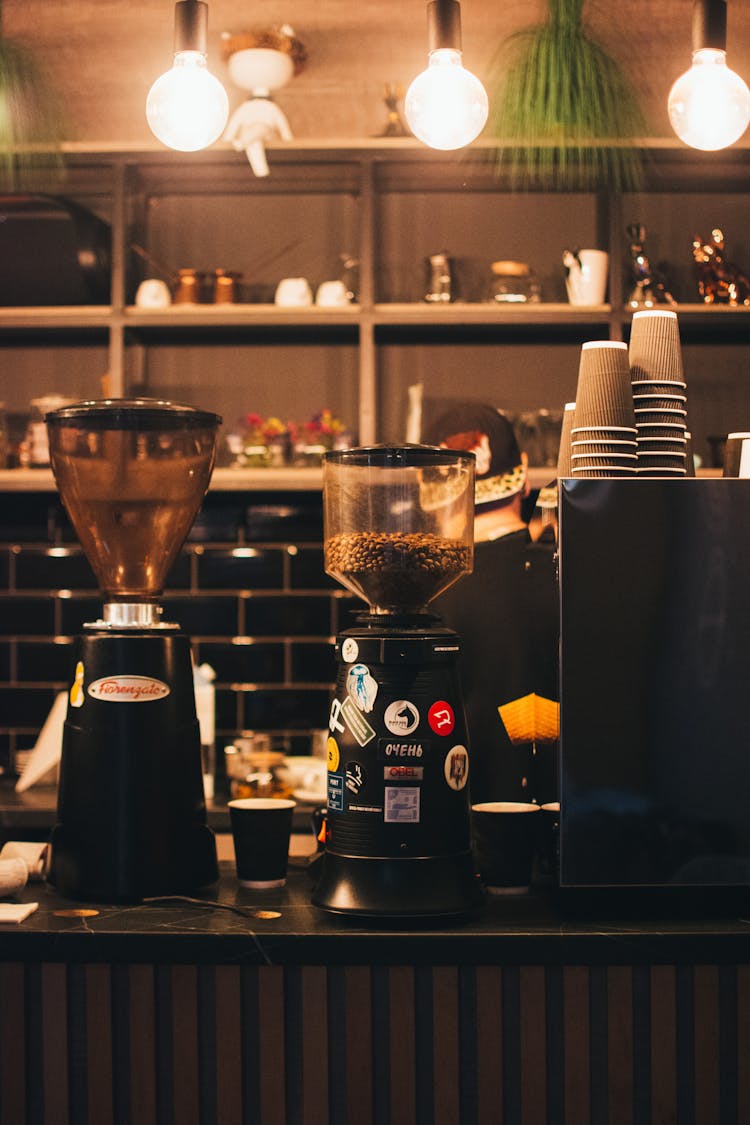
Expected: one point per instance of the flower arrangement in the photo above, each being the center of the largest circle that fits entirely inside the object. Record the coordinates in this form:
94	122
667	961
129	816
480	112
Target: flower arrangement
259	442
322	430
311	439
262	431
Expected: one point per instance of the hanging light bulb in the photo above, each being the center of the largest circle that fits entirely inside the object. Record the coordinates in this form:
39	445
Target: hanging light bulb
446	105
187	108
709	105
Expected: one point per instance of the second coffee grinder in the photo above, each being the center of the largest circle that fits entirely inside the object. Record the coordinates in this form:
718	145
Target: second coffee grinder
398	530
131	818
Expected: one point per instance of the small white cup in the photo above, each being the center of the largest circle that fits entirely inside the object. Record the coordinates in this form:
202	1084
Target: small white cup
153	294
586	283
293	292
332	294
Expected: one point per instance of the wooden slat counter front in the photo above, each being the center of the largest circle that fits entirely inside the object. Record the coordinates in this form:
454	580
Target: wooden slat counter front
256	1007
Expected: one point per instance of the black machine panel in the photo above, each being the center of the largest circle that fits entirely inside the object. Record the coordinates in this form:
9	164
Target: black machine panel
655	682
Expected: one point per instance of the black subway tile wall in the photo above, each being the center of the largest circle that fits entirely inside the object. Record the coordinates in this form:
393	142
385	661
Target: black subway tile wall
249	588
51	568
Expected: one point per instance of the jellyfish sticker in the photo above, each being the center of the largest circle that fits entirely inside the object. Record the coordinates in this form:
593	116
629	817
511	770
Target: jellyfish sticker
361	686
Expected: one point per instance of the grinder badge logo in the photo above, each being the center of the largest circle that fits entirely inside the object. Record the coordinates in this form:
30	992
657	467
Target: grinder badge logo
128	689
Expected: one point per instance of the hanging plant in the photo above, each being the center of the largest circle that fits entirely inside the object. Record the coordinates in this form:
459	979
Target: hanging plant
564	108
31	123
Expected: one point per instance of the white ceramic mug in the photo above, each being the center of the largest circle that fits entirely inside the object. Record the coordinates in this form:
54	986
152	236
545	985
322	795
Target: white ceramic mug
587	277
293	292
153	294
332	294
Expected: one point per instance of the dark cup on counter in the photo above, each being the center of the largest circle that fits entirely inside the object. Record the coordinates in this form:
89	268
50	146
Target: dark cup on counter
504	840
261	829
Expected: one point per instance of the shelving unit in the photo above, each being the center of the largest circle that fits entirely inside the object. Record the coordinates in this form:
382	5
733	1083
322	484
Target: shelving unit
388	203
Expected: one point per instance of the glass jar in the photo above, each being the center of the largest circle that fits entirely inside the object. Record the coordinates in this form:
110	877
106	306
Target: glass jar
514	283
36	441
254	769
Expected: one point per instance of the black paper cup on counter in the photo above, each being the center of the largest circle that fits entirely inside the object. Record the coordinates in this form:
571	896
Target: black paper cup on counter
504	838
737	455
604	396
655	351
261	829
563	455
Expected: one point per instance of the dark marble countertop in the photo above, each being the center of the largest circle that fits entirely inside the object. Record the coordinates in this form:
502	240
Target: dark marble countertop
228	924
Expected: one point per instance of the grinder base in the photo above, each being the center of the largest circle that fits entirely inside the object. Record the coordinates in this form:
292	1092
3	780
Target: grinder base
381	887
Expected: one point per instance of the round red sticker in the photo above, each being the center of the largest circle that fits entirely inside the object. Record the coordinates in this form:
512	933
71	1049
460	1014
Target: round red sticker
441	718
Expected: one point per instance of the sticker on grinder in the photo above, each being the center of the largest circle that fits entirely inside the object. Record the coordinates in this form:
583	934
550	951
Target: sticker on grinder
401	805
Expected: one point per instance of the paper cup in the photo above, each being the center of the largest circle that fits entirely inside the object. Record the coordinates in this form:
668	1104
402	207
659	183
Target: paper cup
504	838
655	351
563	455
659	402
604	397
589	471
586	283
261	828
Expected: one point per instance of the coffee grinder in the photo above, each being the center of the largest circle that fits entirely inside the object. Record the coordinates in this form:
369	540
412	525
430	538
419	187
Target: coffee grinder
131	818
398	530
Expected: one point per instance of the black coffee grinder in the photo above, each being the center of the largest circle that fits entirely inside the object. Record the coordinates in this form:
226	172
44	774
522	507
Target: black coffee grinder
131	813
398	530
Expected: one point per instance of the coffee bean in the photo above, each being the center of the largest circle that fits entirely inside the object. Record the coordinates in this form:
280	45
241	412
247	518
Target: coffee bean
399	570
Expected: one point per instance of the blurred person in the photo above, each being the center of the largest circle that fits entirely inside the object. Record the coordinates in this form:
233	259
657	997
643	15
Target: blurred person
505	612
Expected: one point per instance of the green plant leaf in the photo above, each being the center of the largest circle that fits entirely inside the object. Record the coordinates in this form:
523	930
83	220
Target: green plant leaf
564	108
31	123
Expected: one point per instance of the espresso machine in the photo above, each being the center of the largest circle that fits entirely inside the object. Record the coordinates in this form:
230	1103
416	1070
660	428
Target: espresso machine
398	530
131	818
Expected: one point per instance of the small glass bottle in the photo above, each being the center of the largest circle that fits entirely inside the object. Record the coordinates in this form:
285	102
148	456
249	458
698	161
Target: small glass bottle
37	445
513	283
439	279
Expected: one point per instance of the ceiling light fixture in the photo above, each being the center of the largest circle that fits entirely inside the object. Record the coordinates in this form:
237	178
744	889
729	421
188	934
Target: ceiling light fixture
446	105
187	108
709	105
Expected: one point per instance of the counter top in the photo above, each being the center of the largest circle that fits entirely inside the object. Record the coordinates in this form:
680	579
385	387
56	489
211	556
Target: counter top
286	479
228	924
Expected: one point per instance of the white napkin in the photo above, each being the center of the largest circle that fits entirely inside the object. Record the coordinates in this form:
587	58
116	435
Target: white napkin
16	911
